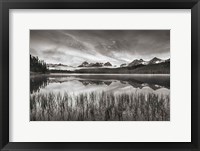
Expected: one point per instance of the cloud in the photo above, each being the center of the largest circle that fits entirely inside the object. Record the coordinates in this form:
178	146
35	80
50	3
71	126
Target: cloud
72	47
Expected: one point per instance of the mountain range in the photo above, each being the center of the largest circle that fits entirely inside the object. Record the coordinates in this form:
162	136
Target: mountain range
97	64
153	66
135	62
56	65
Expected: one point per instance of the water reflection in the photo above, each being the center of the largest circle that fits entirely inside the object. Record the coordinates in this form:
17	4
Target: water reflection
94	82
100	97
37	83
153	82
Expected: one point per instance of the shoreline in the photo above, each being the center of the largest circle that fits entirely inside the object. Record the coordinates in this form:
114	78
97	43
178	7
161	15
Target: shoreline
106	74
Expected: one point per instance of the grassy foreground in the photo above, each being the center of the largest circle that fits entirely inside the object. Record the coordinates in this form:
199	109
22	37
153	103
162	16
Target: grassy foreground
99	106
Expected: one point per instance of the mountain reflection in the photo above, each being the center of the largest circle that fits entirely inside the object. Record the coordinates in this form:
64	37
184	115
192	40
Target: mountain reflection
95	82
155	83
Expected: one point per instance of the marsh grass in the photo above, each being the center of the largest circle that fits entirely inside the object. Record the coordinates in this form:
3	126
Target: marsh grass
99	106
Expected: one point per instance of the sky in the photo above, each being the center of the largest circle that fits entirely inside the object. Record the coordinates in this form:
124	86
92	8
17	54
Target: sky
72	47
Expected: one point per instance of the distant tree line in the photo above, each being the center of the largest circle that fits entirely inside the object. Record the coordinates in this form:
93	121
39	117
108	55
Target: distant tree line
37	65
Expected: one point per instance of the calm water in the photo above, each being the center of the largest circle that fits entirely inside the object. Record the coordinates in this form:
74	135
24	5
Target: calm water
100	97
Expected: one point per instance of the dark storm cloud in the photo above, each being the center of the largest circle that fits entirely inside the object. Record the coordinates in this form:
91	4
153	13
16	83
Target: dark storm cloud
72	47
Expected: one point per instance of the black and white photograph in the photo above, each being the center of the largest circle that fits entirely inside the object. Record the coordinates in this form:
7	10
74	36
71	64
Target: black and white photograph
99	75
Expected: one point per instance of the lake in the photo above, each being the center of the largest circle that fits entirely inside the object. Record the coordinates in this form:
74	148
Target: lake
111	97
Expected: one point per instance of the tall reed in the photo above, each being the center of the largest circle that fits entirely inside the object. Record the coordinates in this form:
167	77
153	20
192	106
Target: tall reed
99	106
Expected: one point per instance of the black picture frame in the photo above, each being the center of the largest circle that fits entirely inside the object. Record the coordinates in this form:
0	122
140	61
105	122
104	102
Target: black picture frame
5	5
